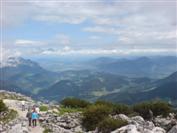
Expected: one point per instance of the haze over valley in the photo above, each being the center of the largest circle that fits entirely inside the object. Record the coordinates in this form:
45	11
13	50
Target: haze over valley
122	80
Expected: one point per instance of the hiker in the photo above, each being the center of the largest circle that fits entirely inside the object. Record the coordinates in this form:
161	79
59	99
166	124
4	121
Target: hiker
37	109
29	116
23	105
35	117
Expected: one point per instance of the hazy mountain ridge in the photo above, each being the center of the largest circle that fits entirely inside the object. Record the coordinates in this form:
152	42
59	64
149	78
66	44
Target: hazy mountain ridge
152	67
91	84
141	67
165	90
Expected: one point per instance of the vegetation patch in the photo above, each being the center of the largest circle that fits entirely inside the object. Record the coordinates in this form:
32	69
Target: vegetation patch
93	115
3	107
43	108
157	108
63	110
116	108
98	114
110	124
4	95
122	109
74	103
47	130
8	116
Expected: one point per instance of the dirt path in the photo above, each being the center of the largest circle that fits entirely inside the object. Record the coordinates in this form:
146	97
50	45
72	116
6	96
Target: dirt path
16	105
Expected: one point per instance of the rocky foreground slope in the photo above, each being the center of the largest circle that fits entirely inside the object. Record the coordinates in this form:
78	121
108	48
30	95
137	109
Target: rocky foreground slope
18	123
51	121
71	123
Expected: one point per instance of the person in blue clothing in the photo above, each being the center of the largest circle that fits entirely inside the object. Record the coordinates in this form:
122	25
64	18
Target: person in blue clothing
35	117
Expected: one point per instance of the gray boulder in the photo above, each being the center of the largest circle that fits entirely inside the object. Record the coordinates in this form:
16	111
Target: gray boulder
173	130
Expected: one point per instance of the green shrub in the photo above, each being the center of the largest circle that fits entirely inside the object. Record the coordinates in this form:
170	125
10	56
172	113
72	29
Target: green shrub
2	106
116	108
157	107
11	115
122	109
143	109
109	124
63	110
161	108
43	108
93	115
74	103
102	102
47	130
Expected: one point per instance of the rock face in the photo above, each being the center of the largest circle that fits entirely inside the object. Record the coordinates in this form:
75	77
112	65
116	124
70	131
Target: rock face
166	123
127	129
18	123
13	95
16	126
67	123
138	125
173	130
71	122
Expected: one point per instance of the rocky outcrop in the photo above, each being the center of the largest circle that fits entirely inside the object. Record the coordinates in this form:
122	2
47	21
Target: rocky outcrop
13	95
166	123
137	125
67	123
71	122
173	130
18	125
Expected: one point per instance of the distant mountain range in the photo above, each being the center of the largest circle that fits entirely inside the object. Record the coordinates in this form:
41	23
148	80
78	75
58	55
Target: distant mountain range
99	80
153	67
161	89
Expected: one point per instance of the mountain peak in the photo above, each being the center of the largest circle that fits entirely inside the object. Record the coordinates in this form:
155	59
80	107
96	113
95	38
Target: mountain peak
16	61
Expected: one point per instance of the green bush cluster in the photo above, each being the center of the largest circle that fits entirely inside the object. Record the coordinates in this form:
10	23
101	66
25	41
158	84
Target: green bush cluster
110	124
102	102
43	108
122	109
63	110
157	108
47	130
74	103
2	106
93	115
161	108
11	115
116	108
98	114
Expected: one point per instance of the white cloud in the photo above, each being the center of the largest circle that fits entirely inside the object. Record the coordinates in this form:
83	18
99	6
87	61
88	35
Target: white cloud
100	29
95	37
30	43
71	51
15	13
135	25
66	48
6	53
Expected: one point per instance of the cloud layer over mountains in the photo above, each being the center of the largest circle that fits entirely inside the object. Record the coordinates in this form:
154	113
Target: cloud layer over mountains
88	27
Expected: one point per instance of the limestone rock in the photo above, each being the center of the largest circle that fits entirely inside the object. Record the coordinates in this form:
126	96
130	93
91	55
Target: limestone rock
173	130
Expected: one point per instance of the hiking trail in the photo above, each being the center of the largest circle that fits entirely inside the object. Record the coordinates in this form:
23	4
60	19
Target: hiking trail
16	105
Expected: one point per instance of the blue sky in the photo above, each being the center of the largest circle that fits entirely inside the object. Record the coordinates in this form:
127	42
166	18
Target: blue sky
57	28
